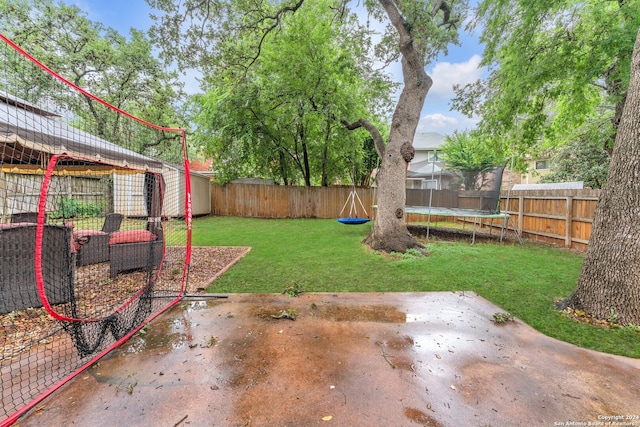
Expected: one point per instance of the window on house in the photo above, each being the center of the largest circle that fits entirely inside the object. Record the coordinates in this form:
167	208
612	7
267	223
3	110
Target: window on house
413	183
434	156
429	184
543	164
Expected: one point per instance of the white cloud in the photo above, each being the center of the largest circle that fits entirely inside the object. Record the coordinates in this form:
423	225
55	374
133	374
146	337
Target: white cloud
446	125
446	74
437	122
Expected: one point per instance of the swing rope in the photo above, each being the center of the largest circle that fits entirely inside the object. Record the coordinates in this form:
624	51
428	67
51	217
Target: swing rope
351	201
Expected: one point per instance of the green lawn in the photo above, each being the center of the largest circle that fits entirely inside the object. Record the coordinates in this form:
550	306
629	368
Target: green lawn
326	256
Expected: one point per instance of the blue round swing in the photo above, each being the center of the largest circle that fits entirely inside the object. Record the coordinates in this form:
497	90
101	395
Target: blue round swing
353	221
351	201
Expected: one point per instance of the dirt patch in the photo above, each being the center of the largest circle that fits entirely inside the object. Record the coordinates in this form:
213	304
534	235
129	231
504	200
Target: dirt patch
450	234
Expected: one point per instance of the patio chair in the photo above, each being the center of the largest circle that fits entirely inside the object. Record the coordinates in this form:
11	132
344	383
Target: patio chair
93	245
18	288
24	217
135	250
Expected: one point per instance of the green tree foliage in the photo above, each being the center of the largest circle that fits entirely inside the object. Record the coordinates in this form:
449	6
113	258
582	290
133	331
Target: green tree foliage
581	160
198	34
123	72
554	65
471	155
280	118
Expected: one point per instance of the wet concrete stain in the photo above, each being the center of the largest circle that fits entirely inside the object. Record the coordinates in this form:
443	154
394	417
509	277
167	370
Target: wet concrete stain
347	313
419	417
356	359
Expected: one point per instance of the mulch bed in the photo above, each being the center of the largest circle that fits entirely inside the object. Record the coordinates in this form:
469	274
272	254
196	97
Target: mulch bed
21	329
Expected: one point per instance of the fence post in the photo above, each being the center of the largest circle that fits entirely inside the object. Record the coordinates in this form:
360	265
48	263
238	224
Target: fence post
568	221
520	214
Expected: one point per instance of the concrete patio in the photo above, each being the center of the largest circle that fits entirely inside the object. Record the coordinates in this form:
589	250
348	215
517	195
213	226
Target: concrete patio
391	359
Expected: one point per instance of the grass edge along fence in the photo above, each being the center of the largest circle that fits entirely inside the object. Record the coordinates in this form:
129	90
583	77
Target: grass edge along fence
558	217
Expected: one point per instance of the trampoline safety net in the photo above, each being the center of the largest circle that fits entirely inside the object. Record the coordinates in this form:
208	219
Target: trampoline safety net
439	190
94	236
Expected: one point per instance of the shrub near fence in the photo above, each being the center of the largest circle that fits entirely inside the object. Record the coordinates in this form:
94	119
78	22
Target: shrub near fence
558	217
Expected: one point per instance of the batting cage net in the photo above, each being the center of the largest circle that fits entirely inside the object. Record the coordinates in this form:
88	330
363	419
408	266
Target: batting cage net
94	235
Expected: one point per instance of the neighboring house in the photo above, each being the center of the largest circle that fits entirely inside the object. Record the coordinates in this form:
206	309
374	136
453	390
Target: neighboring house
202	166
427	146
426	170
536	169
510	178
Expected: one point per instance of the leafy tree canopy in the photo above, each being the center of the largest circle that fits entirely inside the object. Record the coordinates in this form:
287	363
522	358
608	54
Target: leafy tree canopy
579	161
553	66
281	118
197	34
471	155
124	72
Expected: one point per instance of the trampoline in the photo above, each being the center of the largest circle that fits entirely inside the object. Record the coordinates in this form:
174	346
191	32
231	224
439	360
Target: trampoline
462	213
469	194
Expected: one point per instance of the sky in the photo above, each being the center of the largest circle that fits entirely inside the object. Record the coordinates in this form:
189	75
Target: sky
460	66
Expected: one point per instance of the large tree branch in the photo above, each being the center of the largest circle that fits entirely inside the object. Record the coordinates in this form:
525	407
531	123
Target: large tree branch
412	59
360	123
442	5
369	127
276	23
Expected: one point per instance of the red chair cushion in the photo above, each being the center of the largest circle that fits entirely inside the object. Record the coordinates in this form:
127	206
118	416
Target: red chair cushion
131	236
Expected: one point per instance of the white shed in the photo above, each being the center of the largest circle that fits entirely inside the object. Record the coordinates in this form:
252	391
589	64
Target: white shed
129	195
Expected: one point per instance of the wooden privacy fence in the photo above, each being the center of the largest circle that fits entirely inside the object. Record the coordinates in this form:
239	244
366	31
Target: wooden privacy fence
558	217
278	201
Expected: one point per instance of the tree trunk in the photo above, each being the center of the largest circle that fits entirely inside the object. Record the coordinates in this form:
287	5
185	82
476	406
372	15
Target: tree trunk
609	284
284	170
325	155
389	232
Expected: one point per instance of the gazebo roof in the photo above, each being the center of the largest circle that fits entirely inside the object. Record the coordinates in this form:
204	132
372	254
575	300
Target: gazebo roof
29	135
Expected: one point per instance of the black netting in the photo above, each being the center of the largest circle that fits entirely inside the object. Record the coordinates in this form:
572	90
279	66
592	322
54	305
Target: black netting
437	188
93	234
